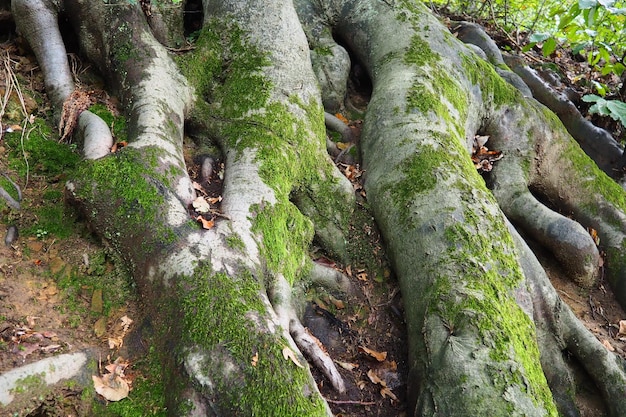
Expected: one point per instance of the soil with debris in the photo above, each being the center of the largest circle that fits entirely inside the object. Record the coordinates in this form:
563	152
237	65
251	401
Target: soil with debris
53	298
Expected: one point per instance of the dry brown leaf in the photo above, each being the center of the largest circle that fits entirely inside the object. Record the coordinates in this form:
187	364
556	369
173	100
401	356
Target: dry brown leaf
255	359
74	105
201	205
371	374
289	354
349	270
206	224
594	235
362	276
339	305
111	386
347	365
622	327
341	117
215	200
386	392
361	384
379	356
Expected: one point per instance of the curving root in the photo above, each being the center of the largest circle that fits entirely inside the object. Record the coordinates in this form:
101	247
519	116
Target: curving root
282	302
38	23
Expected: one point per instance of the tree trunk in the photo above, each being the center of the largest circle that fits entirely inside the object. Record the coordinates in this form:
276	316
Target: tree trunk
486	328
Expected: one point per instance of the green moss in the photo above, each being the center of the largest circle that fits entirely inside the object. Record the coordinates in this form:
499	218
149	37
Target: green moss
234	242
427	167
117	124
481	245
126	180
228	74
419	53
442	94
147	396
105	273
53	217
494	89
44	154
222	314
29	383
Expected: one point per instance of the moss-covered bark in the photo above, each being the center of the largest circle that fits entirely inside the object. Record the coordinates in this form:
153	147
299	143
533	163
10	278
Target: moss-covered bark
222	296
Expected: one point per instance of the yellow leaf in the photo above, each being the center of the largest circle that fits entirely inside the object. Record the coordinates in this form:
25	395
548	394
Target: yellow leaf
289	354
342	145
201	205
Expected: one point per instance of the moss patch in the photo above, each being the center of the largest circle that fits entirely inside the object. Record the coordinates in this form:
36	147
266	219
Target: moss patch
227	72
221	314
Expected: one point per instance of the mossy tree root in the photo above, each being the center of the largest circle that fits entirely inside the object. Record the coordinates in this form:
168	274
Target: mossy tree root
38	23
596	142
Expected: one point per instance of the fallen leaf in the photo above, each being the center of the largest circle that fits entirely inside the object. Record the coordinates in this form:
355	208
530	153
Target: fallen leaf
361	384
341	117
371	374
215	200
362	276
289	354
339	305
255	359
594	235
111	386
343	145
386	392
622	327
349	270
347	365
379	356
206	224
201	205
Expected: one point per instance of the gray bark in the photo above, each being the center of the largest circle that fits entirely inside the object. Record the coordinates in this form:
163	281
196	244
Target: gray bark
484	323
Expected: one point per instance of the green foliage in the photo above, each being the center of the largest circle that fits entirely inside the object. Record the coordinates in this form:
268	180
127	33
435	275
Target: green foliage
614	108
592	28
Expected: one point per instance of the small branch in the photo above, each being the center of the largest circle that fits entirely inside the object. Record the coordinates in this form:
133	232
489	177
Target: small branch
351	402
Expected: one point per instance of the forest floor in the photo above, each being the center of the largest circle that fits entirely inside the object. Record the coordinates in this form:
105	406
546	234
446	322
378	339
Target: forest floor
62	291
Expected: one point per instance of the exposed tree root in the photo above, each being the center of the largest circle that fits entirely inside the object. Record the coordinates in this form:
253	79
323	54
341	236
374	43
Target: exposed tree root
13	203
38	23
560	331
596	142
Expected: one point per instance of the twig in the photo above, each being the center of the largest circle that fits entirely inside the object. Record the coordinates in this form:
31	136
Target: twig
350	402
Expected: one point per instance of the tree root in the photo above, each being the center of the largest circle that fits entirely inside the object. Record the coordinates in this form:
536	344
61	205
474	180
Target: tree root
38	23
281	299
330	278
596	142
336	125
568	241
13	203
559	330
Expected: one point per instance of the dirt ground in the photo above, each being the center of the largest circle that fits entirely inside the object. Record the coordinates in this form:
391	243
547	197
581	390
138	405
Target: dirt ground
62	292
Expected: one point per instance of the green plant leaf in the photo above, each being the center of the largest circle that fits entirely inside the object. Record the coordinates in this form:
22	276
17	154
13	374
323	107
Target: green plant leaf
587	4
548	46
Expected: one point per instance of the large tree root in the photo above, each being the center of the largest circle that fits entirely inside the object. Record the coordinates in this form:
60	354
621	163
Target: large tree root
596	142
